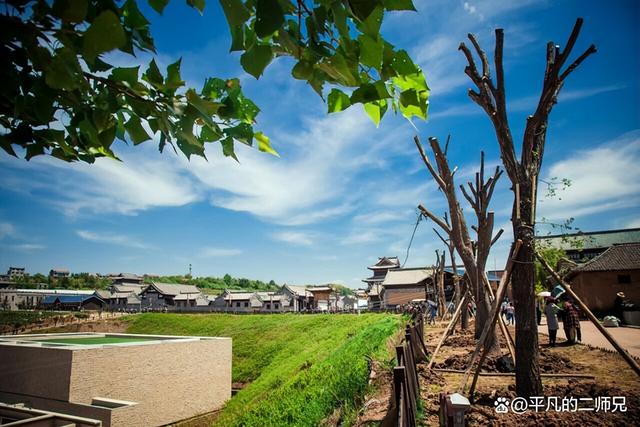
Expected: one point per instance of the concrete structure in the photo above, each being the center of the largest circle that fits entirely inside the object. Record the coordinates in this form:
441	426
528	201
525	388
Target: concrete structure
59	273
15	273
157	381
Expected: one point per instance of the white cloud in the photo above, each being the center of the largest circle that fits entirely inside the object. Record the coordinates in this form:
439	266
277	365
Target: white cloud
297	238
112	239
7	230
603	178
27	247
211	252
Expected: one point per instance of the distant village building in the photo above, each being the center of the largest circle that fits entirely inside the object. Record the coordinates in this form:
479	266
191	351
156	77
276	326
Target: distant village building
73	302
402	286
237	301
324	298
598	281
19	299
300	298
169	296
583	246
374	283
126	279
58	273
16	273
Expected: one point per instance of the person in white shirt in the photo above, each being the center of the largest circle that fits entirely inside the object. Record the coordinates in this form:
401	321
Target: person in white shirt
551	311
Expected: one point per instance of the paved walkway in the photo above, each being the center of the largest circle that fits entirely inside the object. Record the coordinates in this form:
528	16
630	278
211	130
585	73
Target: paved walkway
628	338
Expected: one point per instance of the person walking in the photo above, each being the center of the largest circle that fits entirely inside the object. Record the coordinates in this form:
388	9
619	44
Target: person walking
511	314
571	322
551	312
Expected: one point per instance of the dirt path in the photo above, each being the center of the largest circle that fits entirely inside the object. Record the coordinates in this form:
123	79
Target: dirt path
613	377
629	338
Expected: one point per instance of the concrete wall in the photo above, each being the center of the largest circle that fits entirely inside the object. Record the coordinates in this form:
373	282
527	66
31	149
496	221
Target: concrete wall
168	382
598	289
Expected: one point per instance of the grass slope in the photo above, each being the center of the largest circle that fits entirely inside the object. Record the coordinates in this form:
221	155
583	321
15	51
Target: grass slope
300	367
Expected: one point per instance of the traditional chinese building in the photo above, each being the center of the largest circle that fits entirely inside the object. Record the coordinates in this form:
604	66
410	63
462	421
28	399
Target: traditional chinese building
374	283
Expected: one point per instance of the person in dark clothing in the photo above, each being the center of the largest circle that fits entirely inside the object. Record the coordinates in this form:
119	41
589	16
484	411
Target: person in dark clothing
618	305
571	322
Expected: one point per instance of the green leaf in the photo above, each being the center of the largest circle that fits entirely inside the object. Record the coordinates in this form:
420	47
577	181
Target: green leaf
174	80
403	64
362	9
371	25
136	131
256	59
413	103
204	107
158	5
71	10
269	17
128	75
338	68
340	19
227	148
34	150
133	17
237	38
370	92
302	70
64	72
153	74
242	132
376	110
264	144
198	4
371	51
104	35
235	11
399	5
338	101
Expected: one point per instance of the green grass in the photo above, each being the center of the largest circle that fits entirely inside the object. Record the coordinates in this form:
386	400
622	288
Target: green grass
300	367
94	340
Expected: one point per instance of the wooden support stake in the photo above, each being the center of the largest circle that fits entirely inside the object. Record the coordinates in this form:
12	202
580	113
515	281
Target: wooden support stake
623	352
503	326
447	331
491	321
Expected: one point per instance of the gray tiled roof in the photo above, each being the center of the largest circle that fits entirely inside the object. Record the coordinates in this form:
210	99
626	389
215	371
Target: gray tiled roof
617	257
592	240
175	289
408	276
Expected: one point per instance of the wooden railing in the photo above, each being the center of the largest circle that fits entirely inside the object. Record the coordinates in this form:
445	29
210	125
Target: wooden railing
406	385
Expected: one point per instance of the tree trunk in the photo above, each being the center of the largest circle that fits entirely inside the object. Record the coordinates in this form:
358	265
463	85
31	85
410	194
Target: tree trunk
528	382
464	323
482	316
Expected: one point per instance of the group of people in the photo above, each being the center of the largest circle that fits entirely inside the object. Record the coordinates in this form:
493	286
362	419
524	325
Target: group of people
567	311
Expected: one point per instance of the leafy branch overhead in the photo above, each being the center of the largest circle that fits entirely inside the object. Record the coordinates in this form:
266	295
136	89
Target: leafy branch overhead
60	95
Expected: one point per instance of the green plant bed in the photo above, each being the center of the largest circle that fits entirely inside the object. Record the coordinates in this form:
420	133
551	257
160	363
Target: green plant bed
95	340
298	369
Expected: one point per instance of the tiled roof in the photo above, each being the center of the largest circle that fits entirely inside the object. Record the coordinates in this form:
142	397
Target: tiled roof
299	290
175	289
386	262
617	257
408	276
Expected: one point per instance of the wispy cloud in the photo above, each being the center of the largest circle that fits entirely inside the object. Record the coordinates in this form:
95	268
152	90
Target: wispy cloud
211	252
7	230
297	238
26	247
112	239
603	178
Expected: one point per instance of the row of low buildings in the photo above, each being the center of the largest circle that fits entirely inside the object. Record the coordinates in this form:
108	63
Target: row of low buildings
599	265
125	294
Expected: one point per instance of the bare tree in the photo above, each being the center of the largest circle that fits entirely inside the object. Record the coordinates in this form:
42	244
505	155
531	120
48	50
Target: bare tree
474	254
524	178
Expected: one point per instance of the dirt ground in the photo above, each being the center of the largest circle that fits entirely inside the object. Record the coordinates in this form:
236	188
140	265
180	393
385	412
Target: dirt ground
612	378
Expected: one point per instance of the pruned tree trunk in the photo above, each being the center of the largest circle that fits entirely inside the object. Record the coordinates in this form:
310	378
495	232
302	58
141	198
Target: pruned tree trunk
474	254
523	174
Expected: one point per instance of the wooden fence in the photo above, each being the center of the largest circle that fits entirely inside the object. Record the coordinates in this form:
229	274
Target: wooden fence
406	386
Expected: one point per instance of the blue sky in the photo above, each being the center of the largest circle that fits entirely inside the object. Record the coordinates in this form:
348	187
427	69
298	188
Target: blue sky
343	192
